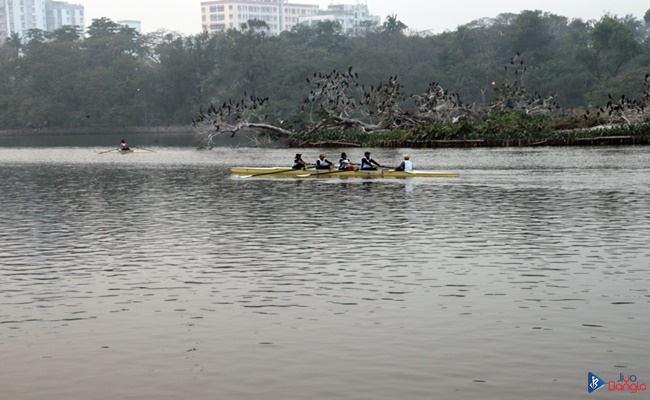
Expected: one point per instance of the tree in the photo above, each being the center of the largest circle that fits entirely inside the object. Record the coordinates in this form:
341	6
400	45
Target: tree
393	26
46	81
8	71
611	45
246	55
529	34
15	41
111	73
102	27
189	73
66	33
115	77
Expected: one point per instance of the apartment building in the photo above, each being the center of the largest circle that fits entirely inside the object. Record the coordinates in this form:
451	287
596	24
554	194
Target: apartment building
279	15
354	18
19	16
60	14
22	15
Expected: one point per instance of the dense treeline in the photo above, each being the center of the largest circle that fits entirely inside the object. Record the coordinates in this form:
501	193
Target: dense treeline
112	76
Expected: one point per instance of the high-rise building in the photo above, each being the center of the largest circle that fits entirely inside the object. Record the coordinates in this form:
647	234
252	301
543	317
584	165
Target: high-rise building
354	18
19	16
60	14
279	15
22	15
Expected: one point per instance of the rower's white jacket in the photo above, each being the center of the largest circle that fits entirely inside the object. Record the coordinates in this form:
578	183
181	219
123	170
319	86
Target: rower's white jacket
324	163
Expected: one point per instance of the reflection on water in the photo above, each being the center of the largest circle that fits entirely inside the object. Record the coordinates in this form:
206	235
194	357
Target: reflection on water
168	276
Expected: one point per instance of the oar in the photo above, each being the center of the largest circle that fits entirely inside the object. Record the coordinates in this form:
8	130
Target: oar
269	173
337	171
105	151
141	148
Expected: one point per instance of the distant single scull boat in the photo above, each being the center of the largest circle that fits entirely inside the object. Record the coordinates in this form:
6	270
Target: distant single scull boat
130	151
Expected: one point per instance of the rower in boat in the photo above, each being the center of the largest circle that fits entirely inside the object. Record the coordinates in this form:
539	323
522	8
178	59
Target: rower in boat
368	163
344	163
124	146
322	162
298	162
406	165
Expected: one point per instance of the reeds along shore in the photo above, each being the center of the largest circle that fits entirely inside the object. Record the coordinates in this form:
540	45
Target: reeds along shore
430	144
595	141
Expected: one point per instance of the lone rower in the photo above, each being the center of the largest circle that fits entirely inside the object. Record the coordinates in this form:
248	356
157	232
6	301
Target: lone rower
124	146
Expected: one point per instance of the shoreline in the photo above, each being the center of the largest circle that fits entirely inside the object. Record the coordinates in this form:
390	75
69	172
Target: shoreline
614	140
444	144
587	141
92	131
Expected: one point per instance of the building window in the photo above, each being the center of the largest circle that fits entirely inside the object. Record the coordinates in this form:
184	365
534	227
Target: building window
220	8
213	9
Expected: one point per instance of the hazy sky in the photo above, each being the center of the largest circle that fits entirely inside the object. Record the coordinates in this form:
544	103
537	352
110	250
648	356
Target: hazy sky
184	16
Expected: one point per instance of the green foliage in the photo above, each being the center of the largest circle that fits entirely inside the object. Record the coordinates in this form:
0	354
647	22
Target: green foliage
113	76
393	25
511	124
611	45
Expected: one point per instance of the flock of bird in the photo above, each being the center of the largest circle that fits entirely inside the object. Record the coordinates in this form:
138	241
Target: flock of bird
339	96
623	108
232	111
439	105
512	95
334	93
339	99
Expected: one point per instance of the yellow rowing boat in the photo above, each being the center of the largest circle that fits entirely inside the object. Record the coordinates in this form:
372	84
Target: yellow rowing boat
287	172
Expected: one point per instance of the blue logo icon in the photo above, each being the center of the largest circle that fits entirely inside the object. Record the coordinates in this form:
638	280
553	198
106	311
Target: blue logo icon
594	382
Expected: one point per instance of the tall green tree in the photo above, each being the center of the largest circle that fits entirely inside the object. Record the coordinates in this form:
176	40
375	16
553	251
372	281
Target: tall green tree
529	34
66	33
393	26
110	76
188	74
611	45
15	41
45	84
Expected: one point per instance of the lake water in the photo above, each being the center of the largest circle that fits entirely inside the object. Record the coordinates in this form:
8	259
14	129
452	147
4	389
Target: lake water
161	277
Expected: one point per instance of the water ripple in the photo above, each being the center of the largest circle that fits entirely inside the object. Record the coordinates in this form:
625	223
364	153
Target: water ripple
531	255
